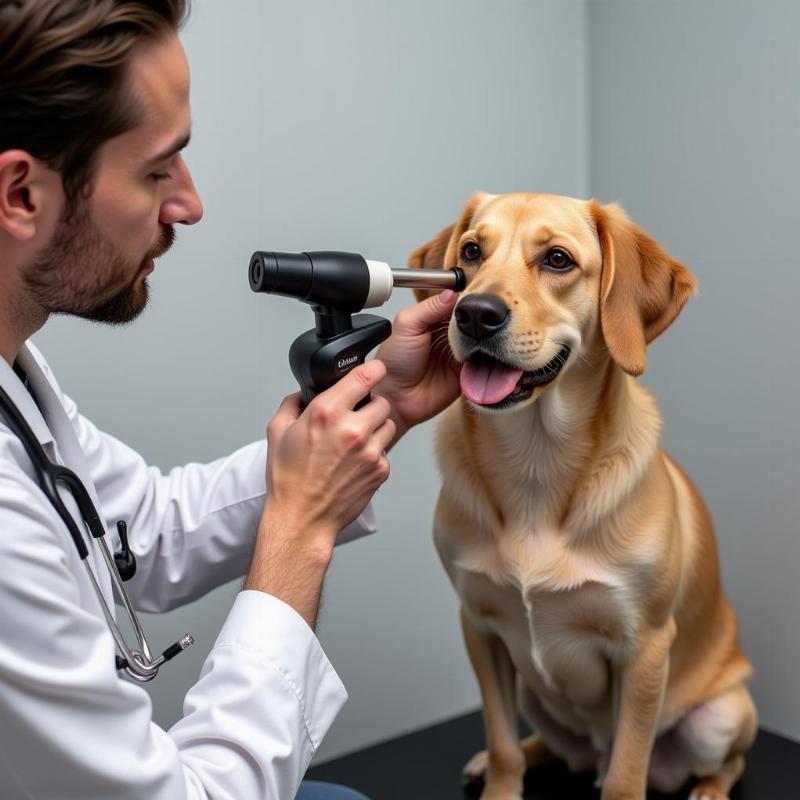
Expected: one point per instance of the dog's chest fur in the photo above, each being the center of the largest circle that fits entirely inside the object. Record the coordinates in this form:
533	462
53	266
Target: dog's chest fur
563	621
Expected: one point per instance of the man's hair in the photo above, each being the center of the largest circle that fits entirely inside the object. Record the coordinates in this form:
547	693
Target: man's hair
63	89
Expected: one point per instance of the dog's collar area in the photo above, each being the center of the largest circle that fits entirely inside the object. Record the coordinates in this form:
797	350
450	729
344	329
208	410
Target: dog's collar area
527	381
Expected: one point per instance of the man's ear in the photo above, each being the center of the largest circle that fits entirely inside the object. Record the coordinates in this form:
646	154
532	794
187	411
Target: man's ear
18	196
440	252
642	288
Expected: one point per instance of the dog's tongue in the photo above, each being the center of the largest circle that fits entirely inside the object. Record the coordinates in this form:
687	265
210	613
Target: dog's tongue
487	382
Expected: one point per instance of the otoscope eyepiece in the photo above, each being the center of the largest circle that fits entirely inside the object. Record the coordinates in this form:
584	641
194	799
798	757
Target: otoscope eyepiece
327	278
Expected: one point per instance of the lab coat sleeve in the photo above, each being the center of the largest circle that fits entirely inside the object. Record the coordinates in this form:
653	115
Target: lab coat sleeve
192	529
71	729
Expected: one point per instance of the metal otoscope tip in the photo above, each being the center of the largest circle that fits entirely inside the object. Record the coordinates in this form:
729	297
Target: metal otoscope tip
430	278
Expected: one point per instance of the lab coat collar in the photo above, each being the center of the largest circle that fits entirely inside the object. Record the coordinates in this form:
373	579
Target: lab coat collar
16	390
57	424
54	430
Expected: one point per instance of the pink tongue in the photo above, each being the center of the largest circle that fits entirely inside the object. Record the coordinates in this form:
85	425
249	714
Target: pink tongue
488	382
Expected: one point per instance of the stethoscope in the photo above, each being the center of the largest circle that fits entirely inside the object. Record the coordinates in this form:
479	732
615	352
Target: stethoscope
139	663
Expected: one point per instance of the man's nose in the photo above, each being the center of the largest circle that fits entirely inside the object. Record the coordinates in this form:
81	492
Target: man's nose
480	316
183	205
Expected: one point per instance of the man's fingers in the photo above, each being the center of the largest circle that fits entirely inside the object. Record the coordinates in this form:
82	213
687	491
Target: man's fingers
384	435
375	413
356	384
426	314
288	411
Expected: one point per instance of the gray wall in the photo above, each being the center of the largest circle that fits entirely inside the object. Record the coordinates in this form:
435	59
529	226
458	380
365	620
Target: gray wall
695	117
355	125
364	125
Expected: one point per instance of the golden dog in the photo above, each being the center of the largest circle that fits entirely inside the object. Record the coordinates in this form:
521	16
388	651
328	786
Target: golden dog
584	557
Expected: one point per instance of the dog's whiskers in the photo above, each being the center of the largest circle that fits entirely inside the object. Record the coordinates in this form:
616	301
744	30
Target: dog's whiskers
440	338
440	346
564	344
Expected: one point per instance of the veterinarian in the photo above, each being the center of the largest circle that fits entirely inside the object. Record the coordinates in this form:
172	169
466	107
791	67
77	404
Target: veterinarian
94	115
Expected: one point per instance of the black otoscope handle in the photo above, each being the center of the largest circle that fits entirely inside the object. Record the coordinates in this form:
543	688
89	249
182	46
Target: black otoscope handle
321	356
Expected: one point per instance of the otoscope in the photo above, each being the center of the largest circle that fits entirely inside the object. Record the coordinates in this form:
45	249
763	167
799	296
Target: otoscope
336	285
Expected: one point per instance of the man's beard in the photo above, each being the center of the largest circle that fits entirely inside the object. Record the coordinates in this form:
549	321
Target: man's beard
81	272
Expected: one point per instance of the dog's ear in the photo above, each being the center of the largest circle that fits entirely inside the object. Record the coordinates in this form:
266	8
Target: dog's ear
440	251
642	288
431	255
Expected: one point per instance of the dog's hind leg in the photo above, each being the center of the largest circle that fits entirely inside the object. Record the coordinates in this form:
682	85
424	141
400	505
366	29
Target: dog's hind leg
535	751
717	733
496	675
718	787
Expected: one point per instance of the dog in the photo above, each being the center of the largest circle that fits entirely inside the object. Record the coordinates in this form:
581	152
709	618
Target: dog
583	555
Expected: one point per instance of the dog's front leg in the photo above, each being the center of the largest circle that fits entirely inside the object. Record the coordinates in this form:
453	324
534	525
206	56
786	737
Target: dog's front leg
643	681
497	680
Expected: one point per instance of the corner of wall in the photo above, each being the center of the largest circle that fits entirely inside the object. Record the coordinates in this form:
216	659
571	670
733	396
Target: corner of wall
587	15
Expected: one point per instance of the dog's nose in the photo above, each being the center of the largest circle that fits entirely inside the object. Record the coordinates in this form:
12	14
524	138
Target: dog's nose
481	315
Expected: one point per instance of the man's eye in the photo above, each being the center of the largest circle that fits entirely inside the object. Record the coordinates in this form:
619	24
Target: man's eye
471	251
160	176
558	260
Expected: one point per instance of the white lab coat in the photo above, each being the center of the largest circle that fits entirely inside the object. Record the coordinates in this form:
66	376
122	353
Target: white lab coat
70	727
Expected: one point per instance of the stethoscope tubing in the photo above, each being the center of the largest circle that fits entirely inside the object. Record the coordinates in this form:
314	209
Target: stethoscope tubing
137	664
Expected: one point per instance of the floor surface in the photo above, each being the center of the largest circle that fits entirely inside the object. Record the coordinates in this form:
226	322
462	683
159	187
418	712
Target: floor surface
426	765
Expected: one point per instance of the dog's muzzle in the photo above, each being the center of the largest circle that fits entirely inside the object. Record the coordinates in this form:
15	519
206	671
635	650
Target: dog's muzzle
491	383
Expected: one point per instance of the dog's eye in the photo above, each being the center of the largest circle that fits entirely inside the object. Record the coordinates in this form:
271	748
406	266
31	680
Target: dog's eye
558	260
471	251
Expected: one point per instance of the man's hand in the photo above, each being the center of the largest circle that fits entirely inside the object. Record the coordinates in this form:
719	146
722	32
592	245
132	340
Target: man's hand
323	466
422	375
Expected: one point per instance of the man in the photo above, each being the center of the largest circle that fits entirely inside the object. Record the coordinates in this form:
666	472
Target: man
94	114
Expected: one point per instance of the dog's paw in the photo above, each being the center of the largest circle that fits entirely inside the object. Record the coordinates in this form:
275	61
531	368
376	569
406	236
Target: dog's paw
475	768
475	772
707	793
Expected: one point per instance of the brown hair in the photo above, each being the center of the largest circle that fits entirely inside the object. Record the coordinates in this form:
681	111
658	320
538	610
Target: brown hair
63	72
